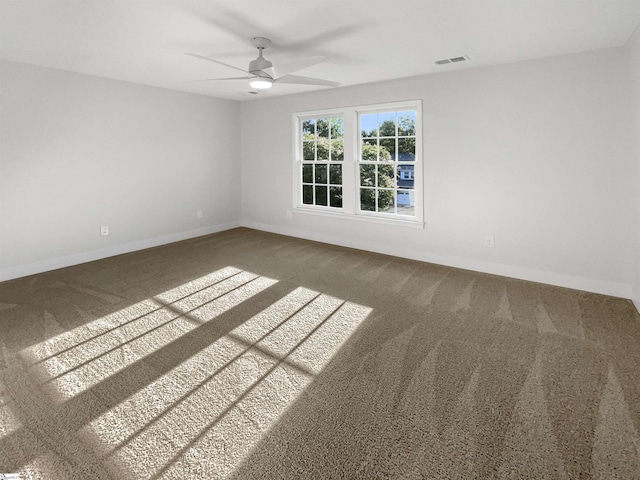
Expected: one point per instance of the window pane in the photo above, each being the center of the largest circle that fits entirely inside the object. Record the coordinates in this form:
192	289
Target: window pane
308	128
370	149
322	128
337	128
406	202
386	201
368	199
369	125
321	174
308	150
385	156
337	150
335	197
307	194
387	124
368	175
335	174
307	173
406	149
321	195
407	123
405	176
386	176
323	149
387	148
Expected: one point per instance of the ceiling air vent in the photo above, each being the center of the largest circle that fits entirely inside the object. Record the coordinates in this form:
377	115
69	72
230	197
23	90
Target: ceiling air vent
444	61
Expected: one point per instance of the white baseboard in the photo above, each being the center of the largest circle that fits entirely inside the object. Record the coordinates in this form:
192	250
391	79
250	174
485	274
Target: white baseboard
550	278
75	259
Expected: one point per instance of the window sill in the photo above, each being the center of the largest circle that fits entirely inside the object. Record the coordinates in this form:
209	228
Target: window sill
361	217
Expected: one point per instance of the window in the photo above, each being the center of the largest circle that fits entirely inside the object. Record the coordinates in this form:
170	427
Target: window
387	155
322	158
363	162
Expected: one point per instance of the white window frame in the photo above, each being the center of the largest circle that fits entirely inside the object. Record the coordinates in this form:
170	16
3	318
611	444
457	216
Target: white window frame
351	165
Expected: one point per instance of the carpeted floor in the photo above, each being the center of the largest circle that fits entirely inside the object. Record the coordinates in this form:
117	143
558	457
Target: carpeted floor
250	355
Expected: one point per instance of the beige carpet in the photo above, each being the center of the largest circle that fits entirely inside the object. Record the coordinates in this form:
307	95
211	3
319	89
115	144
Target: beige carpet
251	355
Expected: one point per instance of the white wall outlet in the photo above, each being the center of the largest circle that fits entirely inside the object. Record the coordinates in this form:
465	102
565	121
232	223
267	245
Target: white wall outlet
489	242
199	214
104	231
288	213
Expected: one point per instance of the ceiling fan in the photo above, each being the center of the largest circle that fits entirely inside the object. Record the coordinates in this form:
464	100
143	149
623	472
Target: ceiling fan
262	74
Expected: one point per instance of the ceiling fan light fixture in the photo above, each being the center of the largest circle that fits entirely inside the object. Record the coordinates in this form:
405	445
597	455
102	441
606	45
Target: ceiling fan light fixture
261	83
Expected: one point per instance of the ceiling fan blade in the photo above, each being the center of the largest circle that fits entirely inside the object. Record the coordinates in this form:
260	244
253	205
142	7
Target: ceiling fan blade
232	23
303	63
215	61
218	79
270	71
297	79
333	35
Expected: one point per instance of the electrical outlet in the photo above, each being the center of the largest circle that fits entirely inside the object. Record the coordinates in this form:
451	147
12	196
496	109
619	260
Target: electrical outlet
104	231
199	214
288	213
489	242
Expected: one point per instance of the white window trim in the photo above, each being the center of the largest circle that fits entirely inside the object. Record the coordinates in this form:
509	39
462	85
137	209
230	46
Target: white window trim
350	170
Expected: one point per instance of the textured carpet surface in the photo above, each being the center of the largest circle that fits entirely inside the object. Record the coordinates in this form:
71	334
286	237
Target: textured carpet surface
250	355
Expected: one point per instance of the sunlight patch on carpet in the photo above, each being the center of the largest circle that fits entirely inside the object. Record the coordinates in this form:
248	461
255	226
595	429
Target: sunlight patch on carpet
74	361
9	422
45	466
206	414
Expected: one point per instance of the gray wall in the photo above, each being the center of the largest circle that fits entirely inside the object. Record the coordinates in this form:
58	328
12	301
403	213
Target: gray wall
536	154
78	152
633	46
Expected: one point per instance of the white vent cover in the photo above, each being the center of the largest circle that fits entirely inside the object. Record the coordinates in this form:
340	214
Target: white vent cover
444	61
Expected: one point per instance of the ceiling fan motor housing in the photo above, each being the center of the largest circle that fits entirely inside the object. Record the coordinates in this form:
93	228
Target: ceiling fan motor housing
257	66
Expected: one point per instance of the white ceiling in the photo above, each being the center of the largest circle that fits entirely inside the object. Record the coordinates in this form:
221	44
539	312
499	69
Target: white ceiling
145	41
